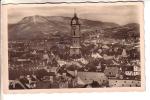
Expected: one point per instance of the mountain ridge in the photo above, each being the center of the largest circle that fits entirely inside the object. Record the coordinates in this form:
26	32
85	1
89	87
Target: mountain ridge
31	27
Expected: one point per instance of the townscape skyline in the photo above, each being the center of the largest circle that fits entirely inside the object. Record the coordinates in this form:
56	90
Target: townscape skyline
96	55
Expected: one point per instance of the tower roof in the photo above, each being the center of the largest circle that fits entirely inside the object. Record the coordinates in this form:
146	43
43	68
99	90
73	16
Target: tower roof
75	19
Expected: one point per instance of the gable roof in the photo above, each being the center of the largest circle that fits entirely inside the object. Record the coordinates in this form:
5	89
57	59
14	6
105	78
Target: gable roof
89	77
96	55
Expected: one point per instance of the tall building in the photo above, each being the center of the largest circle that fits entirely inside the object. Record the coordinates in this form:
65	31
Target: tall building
75	35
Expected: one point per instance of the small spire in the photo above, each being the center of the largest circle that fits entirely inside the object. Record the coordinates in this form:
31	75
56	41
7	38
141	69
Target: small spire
75	15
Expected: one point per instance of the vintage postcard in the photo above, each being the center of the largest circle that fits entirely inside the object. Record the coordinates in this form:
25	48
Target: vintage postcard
73	47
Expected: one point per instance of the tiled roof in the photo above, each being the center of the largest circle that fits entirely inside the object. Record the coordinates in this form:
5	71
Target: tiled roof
88	77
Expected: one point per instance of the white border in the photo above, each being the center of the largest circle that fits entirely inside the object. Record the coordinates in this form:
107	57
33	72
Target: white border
106	96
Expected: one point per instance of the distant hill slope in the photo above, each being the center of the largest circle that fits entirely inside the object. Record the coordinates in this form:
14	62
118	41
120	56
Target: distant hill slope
32	27
131	30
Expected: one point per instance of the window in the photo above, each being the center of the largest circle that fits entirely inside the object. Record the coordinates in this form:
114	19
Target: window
74	32
74	41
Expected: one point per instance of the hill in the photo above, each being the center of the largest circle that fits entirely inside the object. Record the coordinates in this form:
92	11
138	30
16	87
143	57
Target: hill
35	27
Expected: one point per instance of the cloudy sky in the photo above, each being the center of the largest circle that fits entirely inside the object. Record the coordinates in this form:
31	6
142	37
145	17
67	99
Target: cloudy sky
120	14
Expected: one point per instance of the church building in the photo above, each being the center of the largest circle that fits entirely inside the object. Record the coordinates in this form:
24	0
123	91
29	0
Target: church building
75	37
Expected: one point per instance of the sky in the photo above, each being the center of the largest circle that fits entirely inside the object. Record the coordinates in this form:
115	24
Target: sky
120	14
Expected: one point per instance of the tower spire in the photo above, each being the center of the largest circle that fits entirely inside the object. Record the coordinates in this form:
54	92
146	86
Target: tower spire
75	15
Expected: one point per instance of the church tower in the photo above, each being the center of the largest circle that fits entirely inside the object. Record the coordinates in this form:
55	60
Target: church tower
75	37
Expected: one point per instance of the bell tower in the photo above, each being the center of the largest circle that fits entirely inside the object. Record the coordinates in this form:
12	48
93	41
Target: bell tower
75	37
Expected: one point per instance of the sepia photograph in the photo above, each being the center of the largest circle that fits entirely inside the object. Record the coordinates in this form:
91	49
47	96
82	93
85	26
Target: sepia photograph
76	45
